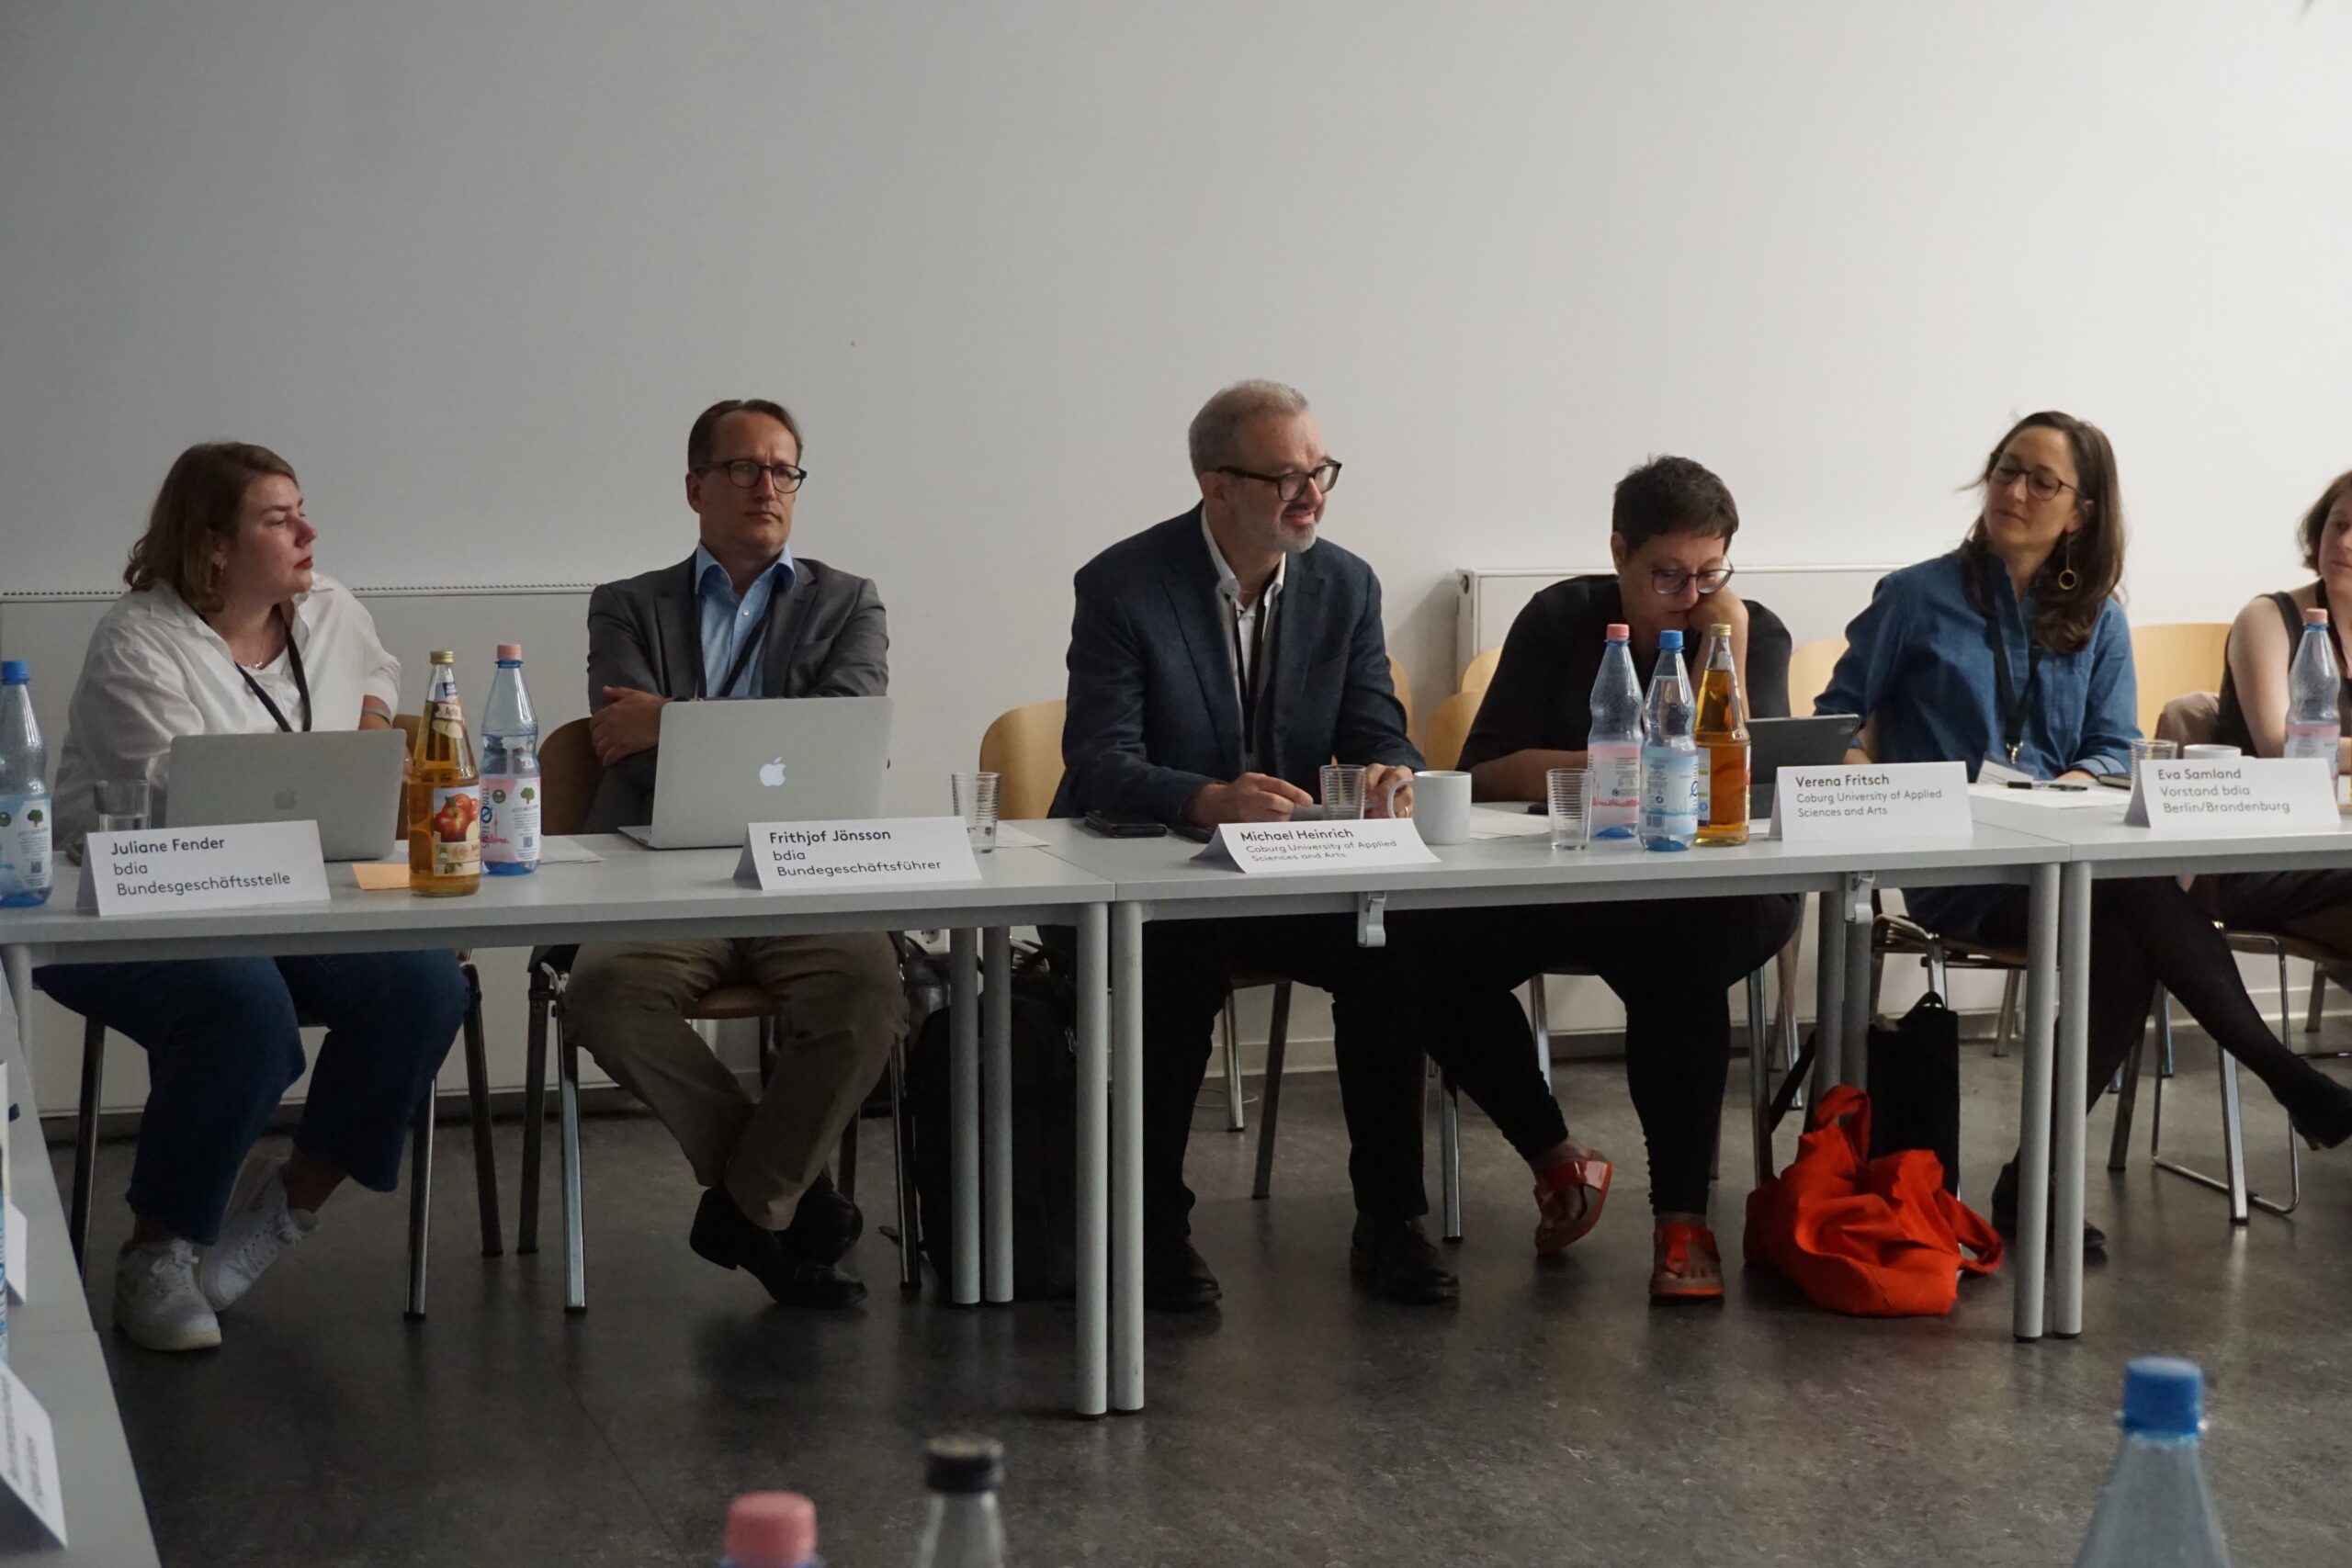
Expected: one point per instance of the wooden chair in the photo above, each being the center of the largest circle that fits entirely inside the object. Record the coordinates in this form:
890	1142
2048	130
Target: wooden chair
1024	749
1480	672
1450	727
1810	666
2172	658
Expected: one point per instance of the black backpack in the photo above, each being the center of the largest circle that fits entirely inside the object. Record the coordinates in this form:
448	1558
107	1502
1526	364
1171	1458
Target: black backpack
1045	1138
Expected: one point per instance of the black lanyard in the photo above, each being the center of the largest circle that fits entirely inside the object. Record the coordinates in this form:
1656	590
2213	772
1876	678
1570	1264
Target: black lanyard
301	685
2015	705
744	652
1250	674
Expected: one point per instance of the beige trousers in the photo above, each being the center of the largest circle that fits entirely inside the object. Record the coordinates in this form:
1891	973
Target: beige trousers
840	1008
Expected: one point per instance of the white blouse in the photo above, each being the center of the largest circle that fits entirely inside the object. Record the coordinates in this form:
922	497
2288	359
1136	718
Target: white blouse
155	670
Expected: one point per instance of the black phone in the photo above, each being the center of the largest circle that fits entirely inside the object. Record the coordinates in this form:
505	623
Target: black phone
1194	832
1112	827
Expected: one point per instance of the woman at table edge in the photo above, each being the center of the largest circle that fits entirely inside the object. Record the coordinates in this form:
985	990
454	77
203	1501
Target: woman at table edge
228	629
2012	646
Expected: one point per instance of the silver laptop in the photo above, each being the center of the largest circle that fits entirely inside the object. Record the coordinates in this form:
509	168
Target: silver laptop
347	781
724	765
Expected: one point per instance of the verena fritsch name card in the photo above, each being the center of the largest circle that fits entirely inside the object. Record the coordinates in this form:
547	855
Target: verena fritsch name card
1884	800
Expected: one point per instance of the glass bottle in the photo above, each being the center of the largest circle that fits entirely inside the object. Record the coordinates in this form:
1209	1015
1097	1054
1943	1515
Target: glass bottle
444	794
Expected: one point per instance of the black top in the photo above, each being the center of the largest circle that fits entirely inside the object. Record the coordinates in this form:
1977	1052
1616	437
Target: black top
2234	728
1542	694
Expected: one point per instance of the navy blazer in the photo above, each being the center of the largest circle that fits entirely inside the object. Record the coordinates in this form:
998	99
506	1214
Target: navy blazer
1153	714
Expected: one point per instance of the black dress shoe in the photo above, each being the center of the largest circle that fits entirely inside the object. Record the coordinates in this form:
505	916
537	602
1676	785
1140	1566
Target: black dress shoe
1393	1259
826	1225
1176	1278
727	1236
2005	1212
2322	1114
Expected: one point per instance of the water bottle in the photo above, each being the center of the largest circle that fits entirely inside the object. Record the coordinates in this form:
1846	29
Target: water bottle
963	1530
26	868
2314	724
771	1529
1669	753
510	771
2155	1511
1613	748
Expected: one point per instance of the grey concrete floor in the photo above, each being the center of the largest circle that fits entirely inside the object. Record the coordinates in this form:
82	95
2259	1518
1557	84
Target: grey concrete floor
1551	1416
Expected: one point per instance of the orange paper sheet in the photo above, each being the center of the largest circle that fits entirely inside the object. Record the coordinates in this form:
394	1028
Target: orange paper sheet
375	877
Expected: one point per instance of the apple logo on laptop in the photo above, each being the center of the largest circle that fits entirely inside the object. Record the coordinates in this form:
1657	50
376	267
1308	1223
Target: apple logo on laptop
772	773
284	800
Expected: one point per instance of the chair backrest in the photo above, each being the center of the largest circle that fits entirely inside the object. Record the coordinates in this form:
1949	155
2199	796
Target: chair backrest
1481	673
1404	690
2192	719
1450	727
2176	657
1810	666
568	774
1023	748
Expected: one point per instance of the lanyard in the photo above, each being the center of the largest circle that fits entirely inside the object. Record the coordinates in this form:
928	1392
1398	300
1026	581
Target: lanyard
301	685
743	652
2015	705
1250	674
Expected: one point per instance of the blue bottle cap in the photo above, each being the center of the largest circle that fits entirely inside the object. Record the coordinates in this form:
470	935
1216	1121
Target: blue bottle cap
2164	1396
15	672
1666	639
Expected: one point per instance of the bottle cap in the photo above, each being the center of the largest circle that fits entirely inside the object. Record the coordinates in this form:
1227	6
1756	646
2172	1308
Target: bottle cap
1669	638
444	656
2316	616
15	672
2164	1396
963	1464
771	1529
1721	628
1620	632
512	650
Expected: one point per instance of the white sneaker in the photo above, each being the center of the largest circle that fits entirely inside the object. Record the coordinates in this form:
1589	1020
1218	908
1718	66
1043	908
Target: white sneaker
156	1302
254	1238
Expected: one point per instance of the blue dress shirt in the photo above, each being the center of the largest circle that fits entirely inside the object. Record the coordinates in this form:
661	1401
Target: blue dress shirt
730	619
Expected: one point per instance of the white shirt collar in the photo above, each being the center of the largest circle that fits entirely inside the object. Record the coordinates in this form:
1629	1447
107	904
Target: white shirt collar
1228	586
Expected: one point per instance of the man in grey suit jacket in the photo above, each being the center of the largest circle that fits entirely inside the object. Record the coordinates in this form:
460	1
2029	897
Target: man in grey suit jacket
1216	661
743	617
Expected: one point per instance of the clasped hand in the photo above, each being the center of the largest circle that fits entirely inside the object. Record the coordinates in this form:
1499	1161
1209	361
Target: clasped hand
628	723
1261	797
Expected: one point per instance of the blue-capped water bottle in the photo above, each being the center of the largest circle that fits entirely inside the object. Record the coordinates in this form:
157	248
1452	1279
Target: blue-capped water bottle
2155	1510
1669	753
510	771
1613	745
27	865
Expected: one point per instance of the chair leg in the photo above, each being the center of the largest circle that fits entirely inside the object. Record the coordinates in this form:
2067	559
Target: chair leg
534	1108
1785	1020
2004	1022
86	1138
2119	1147
1539	1023
478	1111
420	1204
1759	1077
1449	1158
1269	1091
2319	999
575	1241
902	1166
1235	1121
1939	976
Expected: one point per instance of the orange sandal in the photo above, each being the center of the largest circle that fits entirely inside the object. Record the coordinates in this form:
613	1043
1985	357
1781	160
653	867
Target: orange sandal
1556	1228
1669	1282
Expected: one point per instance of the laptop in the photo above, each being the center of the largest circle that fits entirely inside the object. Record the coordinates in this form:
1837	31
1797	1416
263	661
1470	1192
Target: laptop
347	781
724	765
1820	741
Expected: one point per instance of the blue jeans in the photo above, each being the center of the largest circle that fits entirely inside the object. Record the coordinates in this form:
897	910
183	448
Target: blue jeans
224	1047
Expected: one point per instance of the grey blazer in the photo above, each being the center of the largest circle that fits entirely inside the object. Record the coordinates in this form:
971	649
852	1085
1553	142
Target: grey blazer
827	640
1153	715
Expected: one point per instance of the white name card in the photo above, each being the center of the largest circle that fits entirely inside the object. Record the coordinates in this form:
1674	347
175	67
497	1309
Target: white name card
2288	795
29	1454
1880	800
1317	846
161	871
882	852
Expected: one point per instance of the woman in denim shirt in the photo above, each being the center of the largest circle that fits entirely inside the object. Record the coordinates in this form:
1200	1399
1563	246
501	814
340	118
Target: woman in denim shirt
2012	647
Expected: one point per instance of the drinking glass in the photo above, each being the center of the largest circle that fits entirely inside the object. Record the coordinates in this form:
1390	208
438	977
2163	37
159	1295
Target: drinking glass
2153	751
122	806
1567	791
1343	792
974	796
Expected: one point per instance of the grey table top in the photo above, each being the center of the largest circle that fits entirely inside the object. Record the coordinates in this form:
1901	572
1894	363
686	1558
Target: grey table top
2095	832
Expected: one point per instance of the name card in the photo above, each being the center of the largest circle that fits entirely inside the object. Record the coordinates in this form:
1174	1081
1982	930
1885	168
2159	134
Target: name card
884	852
1888	800
29	1454
160	870
2288	795
1317	846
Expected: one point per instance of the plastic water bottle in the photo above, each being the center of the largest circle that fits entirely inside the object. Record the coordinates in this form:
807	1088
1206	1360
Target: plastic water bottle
771	1529
2314	725
963	1530
2155	1511
1613	748
26	865
510	771
1669	753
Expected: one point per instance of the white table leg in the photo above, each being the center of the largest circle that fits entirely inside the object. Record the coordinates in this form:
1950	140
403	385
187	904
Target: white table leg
2073	1096
1094	1158
2033	1114
1829	992
1127	1156
963	1097
1854	1038
996	1108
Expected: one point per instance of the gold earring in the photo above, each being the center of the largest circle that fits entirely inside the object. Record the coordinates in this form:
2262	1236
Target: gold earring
2068	577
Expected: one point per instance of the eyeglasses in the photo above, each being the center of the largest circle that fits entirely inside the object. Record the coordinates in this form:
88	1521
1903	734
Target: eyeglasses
2043	484
1290	487
1667	581
744	473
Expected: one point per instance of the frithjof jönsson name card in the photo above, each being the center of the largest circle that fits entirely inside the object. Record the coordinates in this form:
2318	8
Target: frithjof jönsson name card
881	851
162	870
1889	800
2235	794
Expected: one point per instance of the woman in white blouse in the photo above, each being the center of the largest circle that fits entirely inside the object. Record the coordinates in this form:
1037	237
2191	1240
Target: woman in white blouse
227	629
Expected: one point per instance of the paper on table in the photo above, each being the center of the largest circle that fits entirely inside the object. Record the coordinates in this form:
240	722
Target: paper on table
379	876
1508	822
2053	800
560	851
1009	836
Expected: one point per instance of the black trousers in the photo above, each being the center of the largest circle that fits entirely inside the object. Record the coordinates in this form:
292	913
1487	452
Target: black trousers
1672	962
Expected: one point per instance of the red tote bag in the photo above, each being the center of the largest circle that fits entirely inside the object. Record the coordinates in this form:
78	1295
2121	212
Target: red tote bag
1874	1237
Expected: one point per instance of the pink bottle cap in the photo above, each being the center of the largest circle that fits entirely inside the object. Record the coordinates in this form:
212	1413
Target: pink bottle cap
771	1529
2314	616
509	651
1620	632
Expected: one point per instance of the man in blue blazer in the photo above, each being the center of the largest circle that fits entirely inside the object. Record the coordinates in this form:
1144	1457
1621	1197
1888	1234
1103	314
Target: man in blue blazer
1216	662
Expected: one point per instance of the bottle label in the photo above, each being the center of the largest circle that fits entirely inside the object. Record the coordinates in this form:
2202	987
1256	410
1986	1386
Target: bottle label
510	819
1616	789
1669	793
2318	740
24	862
456	825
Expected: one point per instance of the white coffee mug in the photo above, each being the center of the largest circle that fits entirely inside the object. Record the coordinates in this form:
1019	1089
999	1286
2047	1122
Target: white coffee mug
1442	807
2207	753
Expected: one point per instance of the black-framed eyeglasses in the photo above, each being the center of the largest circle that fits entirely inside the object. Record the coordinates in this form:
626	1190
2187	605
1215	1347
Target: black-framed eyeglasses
1667	581
2043	484
744	473
1291	486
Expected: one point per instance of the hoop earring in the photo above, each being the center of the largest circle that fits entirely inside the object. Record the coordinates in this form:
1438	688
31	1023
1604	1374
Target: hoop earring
2068	579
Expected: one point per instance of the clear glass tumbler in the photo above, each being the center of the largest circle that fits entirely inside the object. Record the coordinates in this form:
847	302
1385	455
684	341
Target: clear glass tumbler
2153	751
1567	793
122	806
974	797
1343	792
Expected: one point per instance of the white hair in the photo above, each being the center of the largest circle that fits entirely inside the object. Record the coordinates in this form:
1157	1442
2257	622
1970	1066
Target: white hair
1217	429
